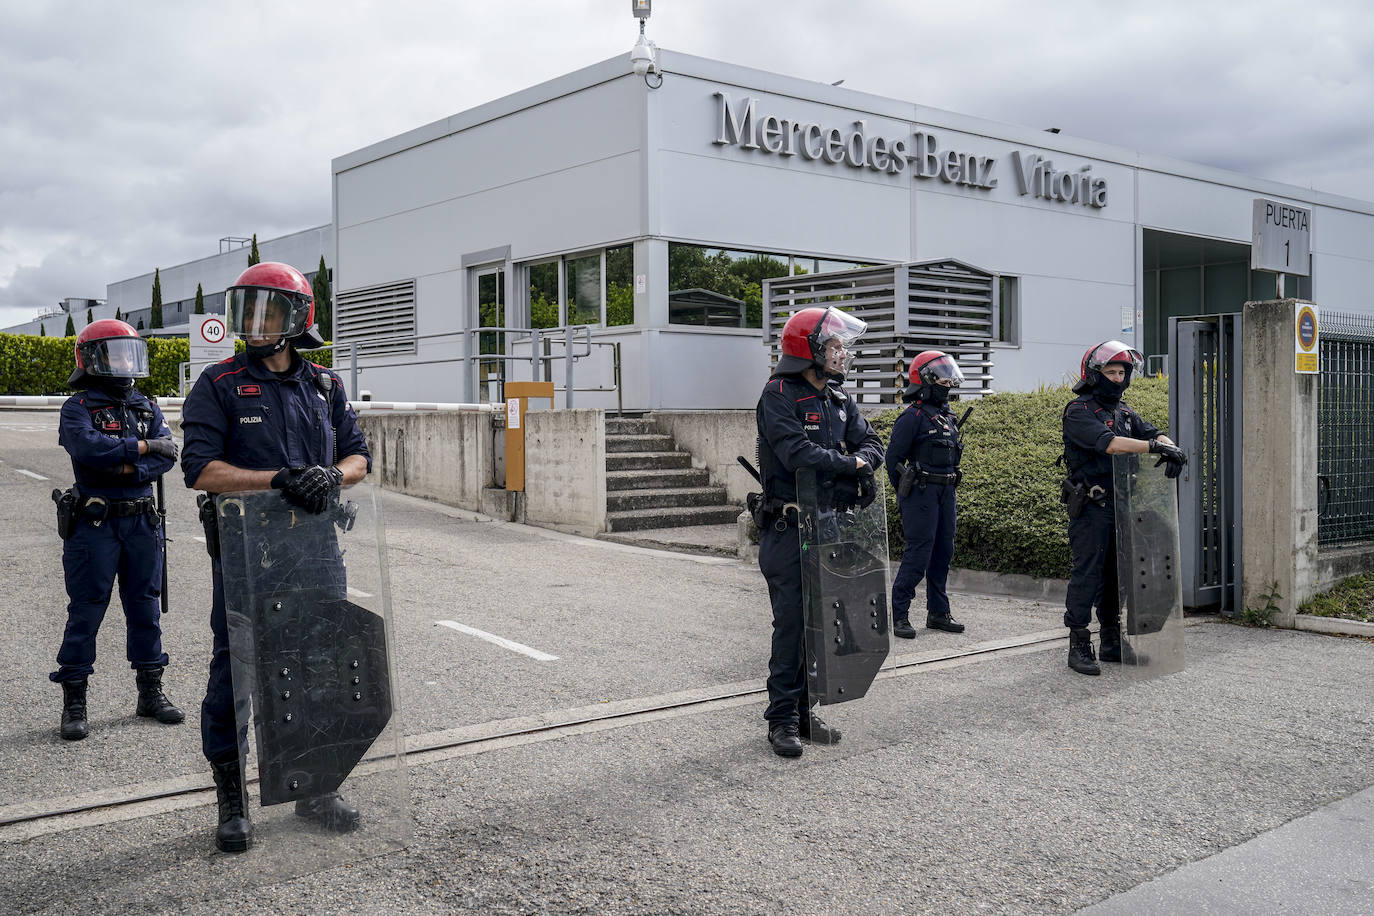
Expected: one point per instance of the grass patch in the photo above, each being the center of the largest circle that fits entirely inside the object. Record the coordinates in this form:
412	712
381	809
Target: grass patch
1353	599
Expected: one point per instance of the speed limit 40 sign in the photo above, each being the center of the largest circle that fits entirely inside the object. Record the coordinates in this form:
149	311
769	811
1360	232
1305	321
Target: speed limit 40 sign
210	341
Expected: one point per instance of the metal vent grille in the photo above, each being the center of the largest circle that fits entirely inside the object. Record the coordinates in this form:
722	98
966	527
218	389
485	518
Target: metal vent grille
380	319
945	305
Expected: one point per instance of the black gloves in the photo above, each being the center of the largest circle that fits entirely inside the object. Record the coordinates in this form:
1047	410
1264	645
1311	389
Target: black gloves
1171	454
308	488
868	487
164	447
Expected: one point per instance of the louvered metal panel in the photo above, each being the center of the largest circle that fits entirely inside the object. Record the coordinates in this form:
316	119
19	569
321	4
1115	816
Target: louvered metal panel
380	319
945	305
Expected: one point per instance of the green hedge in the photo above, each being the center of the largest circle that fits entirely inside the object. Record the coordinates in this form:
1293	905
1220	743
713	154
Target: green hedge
1010	517
32	365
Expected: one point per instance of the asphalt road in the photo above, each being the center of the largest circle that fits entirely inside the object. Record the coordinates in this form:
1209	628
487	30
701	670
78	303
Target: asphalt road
998	782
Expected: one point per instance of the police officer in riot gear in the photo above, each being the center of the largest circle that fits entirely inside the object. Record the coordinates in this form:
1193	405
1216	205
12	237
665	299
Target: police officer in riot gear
119	443
805	420
265	419
923	465
1097	425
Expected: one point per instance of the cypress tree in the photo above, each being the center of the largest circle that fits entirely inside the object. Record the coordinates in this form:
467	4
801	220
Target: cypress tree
200	300
155	319
42	329
253	256
71	327
89	317
324	307
118	317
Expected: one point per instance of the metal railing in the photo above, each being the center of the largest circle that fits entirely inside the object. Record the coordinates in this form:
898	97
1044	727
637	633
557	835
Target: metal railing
1345	430
576	342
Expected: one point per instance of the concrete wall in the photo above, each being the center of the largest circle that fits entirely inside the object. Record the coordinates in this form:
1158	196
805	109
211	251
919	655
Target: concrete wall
565	469
715	438
440	456
1280	512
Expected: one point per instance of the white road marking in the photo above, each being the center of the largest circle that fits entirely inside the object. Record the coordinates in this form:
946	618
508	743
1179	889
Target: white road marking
498	640
30	474
198	537
357	594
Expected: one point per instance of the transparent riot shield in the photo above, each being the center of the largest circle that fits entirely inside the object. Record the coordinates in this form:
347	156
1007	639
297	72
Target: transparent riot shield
310	638
844	566
1148	567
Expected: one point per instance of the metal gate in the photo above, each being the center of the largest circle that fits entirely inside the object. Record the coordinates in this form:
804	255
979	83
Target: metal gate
1205	413
1345	430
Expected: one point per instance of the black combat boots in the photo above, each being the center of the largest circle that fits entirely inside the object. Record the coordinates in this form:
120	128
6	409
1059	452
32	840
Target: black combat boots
1116	649
74	726
152	702
1081	652
330	810
943	622
814	729
235	831
785	740
901	627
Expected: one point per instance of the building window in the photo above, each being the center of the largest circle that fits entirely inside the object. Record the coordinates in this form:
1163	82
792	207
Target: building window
1007	310
594	288
718	287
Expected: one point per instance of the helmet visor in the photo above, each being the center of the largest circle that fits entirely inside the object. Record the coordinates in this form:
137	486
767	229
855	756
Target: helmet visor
116	357
1114	351
258	314
942	370
835	338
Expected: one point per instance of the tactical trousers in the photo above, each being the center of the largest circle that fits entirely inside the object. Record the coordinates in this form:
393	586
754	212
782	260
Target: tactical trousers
928	519
128	547
219	735
780	563
1092	540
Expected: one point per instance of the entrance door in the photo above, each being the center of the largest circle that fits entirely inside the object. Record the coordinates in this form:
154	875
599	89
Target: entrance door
489	311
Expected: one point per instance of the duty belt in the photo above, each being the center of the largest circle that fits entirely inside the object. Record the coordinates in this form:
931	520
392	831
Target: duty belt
925	477
101	507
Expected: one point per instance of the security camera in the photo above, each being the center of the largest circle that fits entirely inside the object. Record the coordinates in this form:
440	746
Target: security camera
644	57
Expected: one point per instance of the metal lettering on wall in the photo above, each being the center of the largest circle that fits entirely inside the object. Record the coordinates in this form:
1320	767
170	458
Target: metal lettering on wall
742	125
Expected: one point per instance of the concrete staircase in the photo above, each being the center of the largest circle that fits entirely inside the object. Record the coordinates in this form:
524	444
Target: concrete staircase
650	483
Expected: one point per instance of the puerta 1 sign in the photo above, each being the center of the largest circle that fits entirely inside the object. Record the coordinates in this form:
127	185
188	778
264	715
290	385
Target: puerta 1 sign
742	125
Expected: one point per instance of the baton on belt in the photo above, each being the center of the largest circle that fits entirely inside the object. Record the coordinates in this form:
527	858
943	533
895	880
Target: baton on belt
162	523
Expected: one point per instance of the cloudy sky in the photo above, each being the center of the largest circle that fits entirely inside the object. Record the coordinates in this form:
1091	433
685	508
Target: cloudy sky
137	134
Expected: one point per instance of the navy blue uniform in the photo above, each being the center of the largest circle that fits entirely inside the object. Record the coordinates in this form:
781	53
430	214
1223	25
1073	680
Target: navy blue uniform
1089	427
803	428
929	436
100	429
244	414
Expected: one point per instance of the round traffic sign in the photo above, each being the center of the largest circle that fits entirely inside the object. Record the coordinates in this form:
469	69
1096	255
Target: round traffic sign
1307	328
212	330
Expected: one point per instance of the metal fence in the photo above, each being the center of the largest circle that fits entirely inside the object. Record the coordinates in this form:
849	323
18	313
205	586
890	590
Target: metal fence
1345	430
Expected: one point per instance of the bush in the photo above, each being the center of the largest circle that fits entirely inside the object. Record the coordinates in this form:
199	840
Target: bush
1010	517
32	365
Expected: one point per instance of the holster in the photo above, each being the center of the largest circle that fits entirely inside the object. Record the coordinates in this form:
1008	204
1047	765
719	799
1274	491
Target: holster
1074	495
67	513
205	503
907	481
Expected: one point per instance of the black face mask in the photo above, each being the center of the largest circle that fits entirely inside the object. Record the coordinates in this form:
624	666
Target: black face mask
1108	391
936	395
114	383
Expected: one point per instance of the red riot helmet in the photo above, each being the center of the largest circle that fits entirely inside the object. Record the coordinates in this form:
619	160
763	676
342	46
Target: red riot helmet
272	301
932	367
1097	357
804	340
111	349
